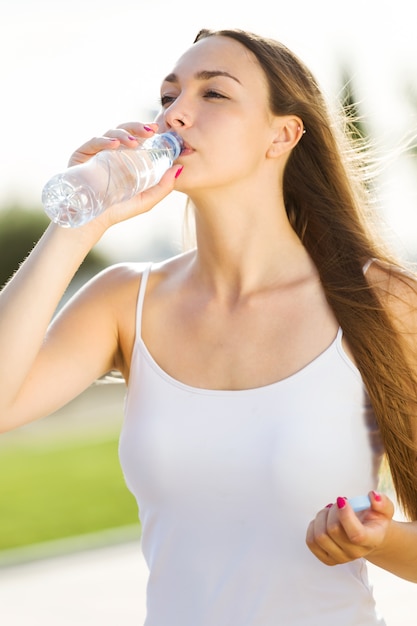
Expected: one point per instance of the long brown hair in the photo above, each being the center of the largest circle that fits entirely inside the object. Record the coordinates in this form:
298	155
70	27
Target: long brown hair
327	200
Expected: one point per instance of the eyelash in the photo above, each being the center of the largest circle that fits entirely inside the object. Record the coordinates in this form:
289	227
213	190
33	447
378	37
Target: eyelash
209	94
166	100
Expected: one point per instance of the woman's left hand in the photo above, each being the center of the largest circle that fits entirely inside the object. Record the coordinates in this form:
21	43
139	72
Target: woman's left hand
339	535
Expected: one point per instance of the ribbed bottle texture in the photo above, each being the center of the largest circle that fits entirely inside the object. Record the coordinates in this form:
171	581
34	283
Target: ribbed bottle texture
76	196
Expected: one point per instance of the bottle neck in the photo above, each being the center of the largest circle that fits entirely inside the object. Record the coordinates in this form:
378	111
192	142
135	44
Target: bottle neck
166	141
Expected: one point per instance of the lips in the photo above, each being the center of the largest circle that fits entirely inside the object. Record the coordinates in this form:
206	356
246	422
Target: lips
187	149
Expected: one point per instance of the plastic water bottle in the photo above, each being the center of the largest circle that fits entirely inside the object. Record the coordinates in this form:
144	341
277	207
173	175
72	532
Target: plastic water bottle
83	191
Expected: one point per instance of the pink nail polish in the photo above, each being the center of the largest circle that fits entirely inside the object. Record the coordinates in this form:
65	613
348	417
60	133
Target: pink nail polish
132	138
329	506
179	170
148	129
341	503
377	496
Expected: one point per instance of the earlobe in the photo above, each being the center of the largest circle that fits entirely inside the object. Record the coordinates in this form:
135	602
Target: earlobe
288	134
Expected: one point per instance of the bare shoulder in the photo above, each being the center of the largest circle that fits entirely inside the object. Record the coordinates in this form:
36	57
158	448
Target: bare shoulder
124	274
118	276
392	281
118	284
396	288
117	289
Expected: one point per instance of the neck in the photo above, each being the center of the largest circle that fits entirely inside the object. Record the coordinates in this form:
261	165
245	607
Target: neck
246	246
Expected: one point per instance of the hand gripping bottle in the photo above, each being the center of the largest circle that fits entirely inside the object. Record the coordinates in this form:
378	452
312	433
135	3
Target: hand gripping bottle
83	191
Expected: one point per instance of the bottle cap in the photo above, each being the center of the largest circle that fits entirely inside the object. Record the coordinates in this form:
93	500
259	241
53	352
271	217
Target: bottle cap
360	503
176	142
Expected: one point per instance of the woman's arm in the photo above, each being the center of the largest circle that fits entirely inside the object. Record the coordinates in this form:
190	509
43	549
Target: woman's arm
398	552
44	365
27	304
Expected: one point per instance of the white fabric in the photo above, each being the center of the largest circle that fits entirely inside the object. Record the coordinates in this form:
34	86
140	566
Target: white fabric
227	483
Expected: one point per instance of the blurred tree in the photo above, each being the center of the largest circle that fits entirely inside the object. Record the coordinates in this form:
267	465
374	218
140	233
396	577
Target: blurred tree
350	104
358	132
20	229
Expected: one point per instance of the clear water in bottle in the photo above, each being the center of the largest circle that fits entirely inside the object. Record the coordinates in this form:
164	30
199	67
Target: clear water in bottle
76	196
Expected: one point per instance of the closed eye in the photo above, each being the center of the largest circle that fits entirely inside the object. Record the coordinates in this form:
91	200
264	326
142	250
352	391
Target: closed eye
167	100
209	94
213	94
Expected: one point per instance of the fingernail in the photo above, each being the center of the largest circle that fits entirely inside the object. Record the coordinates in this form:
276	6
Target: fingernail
341	503
329	506
377	496
132	138
179	170
148	129
113	139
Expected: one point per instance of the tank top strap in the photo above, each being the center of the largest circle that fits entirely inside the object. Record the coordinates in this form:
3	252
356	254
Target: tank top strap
141	298
367	265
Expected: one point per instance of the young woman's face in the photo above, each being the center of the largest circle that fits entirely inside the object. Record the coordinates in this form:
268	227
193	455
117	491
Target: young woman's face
217	99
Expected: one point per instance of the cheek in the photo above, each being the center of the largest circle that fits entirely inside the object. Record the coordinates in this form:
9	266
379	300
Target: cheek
232	142
241	152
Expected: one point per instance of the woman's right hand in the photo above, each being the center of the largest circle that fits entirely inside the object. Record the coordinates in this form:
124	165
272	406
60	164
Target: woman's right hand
128	136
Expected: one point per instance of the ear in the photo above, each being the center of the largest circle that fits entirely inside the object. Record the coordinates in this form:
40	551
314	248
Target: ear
287	132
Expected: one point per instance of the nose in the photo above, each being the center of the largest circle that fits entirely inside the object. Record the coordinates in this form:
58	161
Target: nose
176	116
175	122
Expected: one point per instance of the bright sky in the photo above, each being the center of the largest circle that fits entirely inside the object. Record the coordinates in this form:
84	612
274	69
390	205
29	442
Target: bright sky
71	69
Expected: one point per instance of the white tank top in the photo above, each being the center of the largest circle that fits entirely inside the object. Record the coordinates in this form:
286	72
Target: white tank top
227	482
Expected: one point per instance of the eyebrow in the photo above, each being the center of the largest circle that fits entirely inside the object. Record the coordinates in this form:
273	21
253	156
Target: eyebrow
203	75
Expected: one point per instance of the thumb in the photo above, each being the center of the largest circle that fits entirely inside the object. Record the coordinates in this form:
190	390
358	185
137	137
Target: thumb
163	187
380	503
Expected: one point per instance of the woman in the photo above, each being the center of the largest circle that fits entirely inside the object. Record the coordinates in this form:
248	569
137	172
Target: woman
267	369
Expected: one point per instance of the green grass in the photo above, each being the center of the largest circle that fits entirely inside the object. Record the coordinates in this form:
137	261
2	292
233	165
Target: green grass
56	490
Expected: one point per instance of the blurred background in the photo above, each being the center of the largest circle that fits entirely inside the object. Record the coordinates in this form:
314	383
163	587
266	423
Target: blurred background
73	69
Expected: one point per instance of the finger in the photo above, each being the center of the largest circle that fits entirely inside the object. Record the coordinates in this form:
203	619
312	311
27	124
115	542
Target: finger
345	536
155	194
345	523
356	534
136	129
92	147
130	133
317	545
328	539
124	136
382	504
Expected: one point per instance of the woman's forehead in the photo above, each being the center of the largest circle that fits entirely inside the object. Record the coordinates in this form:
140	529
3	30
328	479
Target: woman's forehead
218	54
